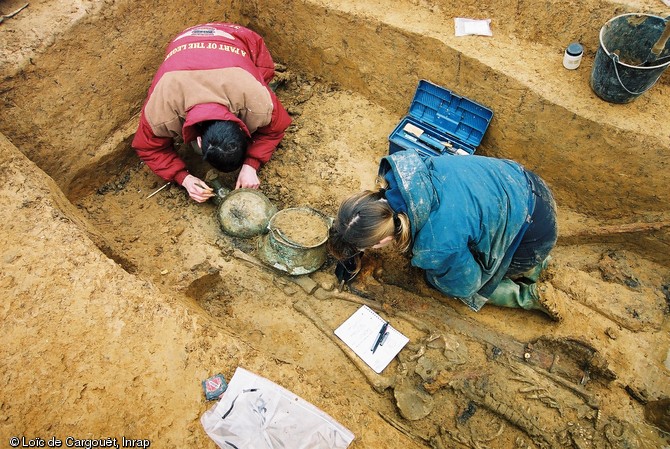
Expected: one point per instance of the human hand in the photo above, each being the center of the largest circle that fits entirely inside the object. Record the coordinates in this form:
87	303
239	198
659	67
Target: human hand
247	178
347	269
197	189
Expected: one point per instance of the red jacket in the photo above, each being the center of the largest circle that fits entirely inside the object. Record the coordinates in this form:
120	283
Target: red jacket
215	71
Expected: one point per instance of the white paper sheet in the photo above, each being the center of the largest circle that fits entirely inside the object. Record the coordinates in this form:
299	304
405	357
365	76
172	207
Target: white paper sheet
467	27
361	330
257	413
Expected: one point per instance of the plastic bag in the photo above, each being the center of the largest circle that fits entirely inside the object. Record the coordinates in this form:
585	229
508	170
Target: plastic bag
468	27
257	413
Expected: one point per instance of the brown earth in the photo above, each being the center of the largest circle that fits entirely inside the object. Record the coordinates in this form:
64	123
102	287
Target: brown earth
116	306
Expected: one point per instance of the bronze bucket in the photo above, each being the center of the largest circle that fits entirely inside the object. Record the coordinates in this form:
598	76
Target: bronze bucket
296	241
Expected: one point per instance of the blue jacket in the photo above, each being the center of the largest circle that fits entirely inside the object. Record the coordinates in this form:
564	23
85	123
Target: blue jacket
465	213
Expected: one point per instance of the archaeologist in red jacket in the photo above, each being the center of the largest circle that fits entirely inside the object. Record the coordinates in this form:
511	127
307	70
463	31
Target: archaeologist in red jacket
212	88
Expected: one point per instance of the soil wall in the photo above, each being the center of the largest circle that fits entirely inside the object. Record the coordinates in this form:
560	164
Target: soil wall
68	105
92	81
91	327
544	116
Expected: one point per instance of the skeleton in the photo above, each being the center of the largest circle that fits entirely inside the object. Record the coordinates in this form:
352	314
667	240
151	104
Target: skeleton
535	391
378	382
511	413
468	437
526	370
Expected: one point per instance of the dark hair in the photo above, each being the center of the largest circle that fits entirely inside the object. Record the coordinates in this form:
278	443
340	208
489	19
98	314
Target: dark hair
224	144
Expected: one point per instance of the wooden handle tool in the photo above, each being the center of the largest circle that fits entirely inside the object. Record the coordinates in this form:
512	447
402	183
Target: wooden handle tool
660	43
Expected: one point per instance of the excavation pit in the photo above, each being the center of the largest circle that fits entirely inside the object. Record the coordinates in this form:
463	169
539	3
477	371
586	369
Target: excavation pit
126	303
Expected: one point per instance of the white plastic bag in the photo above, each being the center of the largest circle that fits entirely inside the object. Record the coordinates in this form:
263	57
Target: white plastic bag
468	27
255	413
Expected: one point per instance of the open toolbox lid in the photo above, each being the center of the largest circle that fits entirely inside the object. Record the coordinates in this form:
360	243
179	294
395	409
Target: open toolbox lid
458	116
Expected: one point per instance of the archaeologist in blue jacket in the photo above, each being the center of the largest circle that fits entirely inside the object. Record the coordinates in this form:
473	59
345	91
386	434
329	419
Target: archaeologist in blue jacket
482	228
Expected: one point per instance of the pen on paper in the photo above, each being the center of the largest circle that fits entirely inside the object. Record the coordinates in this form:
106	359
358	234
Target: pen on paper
386	334
380	337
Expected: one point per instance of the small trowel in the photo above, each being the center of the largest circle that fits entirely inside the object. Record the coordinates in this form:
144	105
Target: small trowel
426	139
429	141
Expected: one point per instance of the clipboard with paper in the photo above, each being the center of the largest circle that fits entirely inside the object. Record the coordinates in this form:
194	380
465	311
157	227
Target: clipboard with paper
361	332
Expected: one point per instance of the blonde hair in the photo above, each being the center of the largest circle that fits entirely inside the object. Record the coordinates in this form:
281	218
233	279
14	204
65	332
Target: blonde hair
363	220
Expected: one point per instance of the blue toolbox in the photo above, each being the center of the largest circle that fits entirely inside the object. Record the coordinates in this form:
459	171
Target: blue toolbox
440	122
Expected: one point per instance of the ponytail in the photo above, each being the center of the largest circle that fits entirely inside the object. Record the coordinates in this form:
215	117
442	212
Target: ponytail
365	219
402	235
